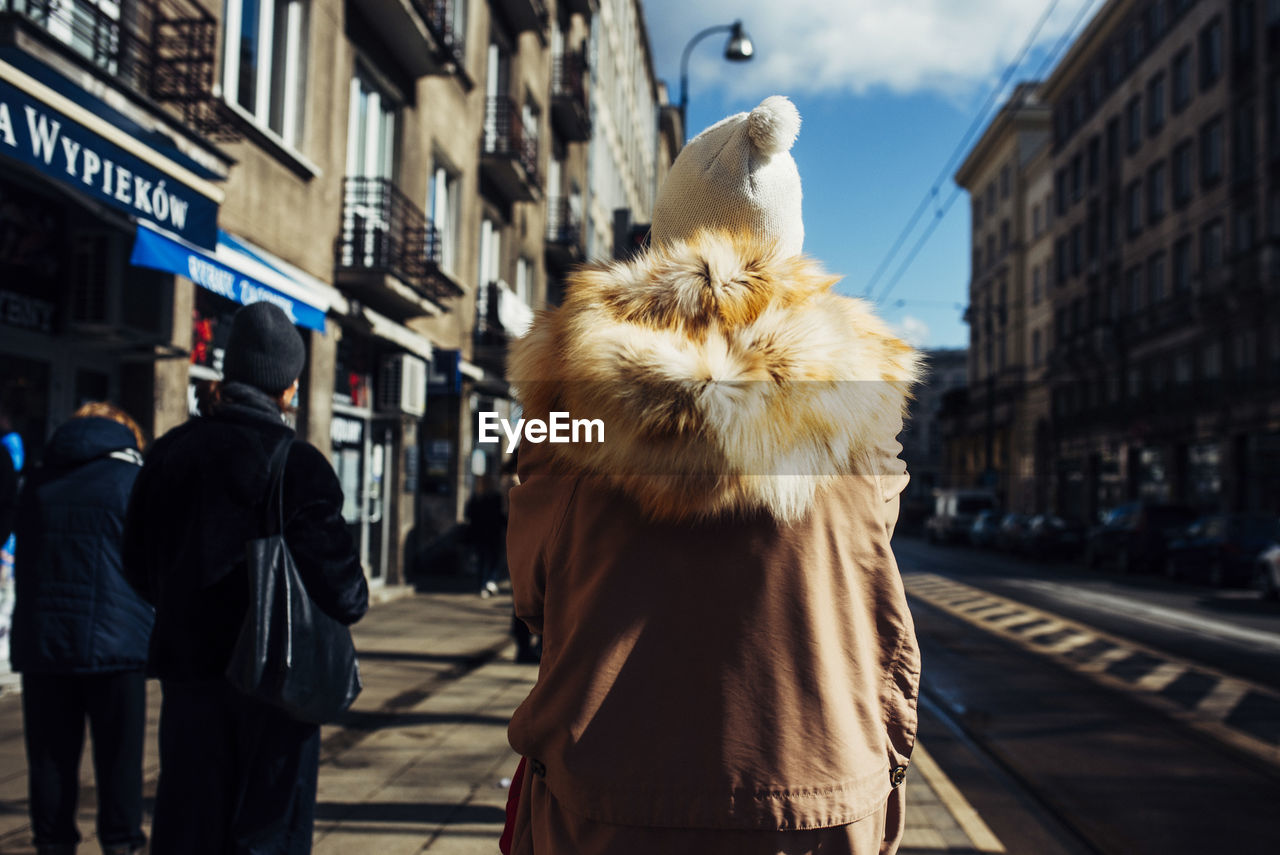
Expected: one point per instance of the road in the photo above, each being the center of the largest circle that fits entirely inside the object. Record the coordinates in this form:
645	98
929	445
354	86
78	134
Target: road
1138	715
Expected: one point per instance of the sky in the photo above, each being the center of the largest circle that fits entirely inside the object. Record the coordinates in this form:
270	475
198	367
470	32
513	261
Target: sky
886	92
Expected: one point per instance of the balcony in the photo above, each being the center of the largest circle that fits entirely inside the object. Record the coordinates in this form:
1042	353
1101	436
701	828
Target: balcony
419	33
162	50
522	15
501	316
389	253
569	108
564	233
509	153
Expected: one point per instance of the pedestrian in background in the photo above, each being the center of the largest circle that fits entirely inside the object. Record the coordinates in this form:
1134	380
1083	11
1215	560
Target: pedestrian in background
728	661
80	632
486	517
236	775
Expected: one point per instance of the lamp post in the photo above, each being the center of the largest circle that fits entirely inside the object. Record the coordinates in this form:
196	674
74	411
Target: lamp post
737	49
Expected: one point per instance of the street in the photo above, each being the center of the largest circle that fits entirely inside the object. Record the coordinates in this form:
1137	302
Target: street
1141	714
1063	712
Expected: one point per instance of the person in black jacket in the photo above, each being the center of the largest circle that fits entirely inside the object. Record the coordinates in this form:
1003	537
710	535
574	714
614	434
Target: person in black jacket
80	632
236	775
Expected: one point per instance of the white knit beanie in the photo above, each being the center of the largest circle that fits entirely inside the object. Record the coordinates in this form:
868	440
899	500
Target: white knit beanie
737	176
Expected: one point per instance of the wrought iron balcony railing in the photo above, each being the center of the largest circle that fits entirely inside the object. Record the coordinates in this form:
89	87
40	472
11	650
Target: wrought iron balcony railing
569	103
564	222
440	20
507	139
384	232
165	50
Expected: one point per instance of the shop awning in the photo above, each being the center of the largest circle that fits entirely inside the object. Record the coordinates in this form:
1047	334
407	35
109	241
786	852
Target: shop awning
233	273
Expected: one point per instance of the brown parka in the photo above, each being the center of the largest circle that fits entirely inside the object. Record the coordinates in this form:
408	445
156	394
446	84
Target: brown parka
728	661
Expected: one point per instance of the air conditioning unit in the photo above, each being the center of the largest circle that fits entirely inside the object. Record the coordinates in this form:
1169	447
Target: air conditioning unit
402	385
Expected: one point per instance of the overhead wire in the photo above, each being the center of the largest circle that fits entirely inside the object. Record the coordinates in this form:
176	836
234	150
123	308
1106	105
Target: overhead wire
1051	59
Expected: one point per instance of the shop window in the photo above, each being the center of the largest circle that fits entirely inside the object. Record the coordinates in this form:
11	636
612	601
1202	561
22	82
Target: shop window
1211	152
1181	79
265	61
1210	53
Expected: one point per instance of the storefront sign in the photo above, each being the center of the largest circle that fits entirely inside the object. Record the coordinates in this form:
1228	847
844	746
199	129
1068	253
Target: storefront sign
67	152
154	250
26	313
345	431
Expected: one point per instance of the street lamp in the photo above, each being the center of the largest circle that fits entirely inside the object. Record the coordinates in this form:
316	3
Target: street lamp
737	49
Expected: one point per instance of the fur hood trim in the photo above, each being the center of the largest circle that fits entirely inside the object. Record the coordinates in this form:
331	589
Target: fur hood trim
728	379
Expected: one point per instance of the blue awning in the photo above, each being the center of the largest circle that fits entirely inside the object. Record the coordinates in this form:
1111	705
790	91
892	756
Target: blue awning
229	272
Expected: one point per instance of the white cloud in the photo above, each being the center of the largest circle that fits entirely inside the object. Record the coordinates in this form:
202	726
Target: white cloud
851	46
913	330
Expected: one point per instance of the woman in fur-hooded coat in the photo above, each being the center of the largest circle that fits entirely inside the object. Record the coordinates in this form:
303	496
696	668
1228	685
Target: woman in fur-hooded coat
729	665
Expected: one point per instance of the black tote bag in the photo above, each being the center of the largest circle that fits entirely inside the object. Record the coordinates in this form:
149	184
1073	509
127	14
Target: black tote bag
289	653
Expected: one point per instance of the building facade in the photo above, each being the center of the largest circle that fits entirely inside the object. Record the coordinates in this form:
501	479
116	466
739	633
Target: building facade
989	438
409	180
1166	354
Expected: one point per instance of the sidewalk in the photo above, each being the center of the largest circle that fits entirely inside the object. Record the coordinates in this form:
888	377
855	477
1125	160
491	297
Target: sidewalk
421	762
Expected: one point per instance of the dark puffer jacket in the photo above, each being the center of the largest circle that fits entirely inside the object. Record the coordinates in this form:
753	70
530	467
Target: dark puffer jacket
200	497
75	613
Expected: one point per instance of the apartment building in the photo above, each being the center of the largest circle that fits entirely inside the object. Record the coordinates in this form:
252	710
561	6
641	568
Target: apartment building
404	178
1165	365
990	440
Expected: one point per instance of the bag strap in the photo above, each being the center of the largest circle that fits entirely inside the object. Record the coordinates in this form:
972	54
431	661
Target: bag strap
275	487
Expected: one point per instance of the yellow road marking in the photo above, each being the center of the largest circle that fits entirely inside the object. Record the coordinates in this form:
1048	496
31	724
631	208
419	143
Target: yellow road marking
965	816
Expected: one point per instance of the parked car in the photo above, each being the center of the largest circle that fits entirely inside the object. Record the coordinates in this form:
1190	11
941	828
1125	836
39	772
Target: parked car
1221	549
954	512
1133	536
985	526
1049	536
1012	527
1267	572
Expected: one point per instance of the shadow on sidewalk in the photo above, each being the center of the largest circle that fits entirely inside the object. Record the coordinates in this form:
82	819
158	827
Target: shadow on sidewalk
373	720
409	812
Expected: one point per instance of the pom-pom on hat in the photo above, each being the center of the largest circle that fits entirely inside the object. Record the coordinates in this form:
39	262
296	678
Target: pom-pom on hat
264	349
737	176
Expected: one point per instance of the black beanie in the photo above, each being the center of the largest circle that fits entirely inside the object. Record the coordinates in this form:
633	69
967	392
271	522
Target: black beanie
264	349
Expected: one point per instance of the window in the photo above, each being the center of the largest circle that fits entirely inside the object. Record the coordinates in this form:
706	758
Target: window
1133	199
1244	227
444	203
1245	350
1211	246
1133	112
1036	286
1210	53
1155	192
1181	79
1273	12
1077	250
1060	190
1060	258
1182	265
1113	143
264	63
1005	182
1035	348
1133	45
1211	360
1156	21
1155	105
1242	13
977	214
1155	278
1112	224
1182	369
524	280
1211	152
1004	236
371	130
991	198
489	268
1133	290
1243	145
991	250
1035	221
977	260
1183	155
1273	119
1093	153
